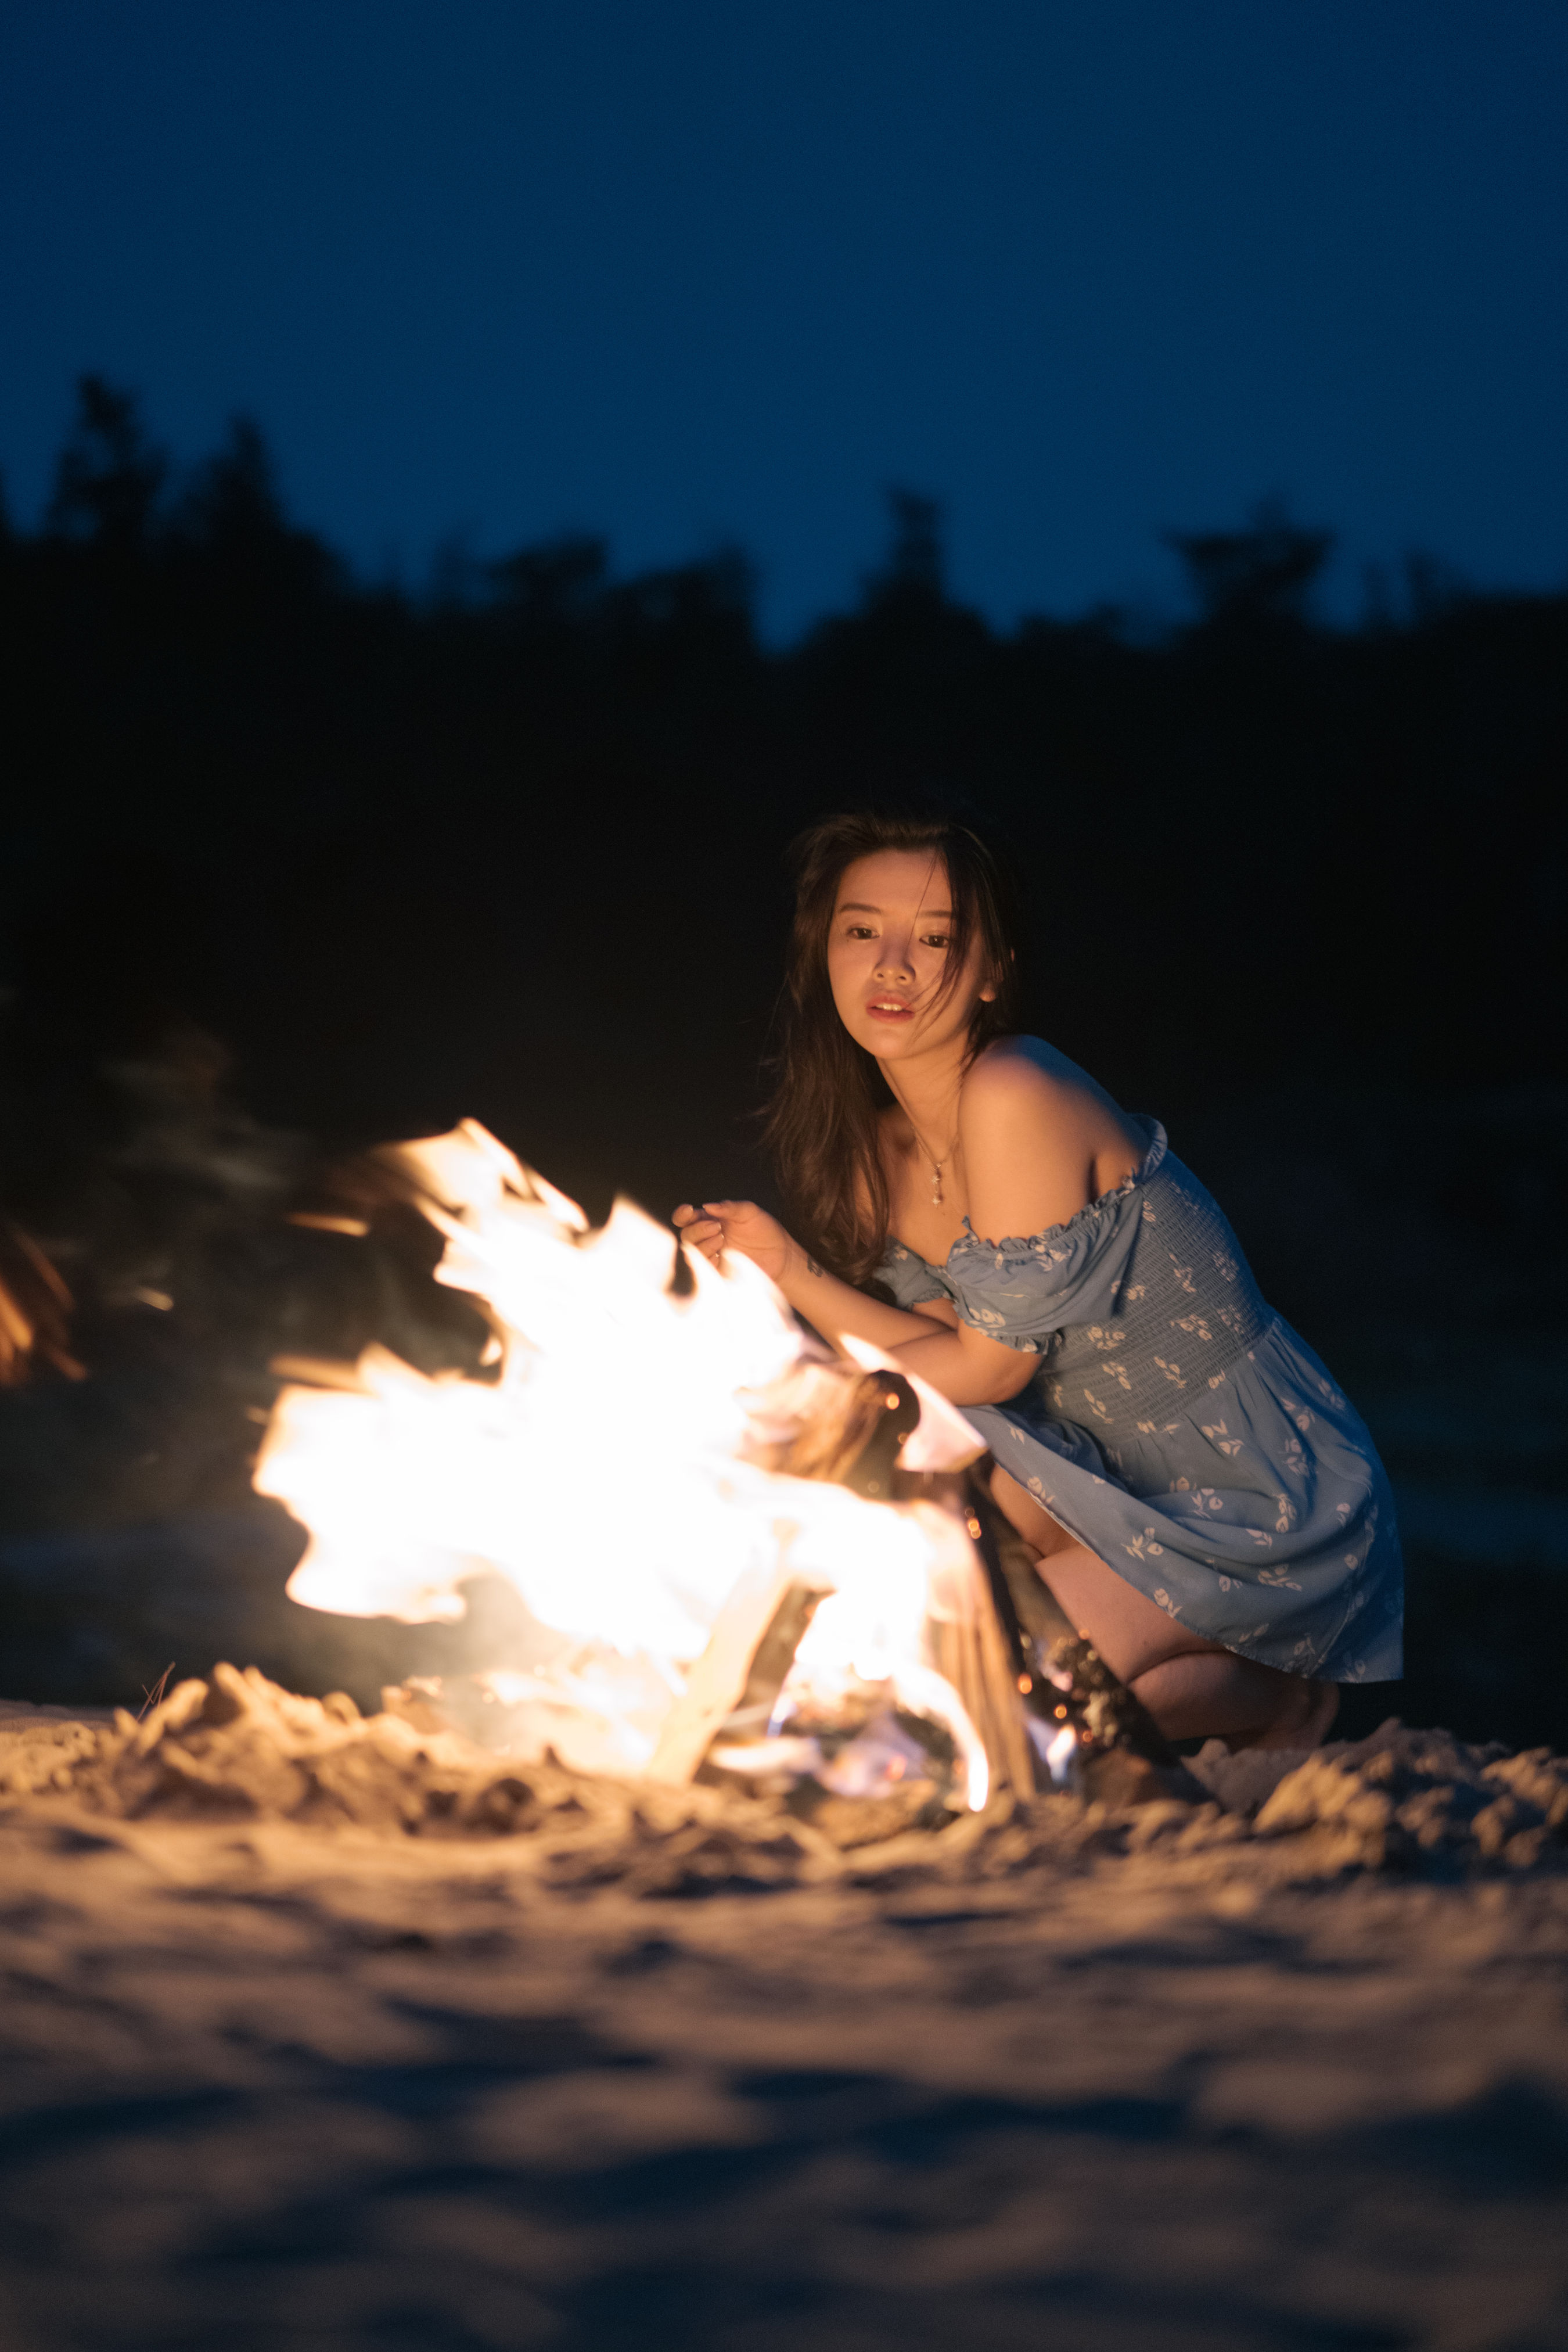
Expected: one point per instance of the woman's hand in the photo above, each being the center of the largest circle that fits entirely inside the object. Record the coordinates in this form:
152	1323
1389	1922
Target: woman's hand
740	1226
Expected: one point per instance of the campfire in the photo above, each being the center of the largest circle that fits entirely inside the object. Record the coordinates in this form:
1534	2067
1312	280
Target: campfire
737	1558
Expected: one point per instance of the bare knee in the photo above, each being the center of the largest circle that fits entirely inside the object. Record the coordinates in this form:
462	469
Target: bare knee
1194	1688
1213	1694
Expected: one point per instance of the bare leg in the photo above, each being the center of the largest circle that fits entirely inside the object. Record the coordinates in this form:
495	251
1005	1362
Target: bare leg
1193	1687
1215	1694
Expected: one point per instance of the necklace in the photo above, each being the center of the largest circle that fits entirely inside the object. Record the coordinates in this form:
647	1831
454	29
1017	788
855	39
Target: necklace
937	1165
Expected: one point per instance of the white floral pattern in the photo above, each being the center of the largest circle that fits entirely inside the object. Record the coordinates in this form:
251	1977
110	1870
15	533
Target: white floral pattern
1143	1299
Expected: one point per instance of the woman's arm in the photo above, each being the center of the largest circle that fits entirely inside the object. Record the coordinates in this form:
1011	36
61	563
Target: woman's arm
831	1307
1038	1144
966	1366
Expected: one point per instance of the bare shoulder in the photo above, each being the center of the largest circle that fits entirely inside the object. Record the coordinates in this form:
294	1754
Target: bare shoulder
1040	1138
1024	1079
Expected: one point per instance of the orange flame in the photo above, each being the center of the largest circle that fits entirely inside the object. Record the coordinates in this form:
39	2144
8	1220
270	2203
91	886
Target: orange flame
610	1473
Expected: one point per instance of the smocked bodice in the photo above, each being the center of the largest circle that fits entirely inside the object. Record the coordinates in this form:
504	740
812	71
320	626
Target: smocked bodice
1139	1305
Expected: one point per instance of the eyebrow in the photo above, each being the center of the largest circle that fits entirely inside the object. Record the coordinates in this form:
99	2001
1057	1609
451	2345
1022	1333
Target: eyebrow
859	906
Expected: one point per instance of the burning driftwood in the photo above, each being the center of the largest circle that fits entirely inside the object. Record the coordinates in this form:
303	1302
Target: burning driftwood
762	1564
1047	1708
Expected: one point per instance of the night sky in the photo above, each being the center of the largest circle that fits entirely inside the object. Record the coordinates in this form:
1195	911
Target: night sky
691	273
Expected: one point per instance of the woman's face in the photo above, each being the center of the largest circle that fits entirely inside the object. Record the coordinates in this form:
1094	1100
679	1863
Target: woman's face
887	957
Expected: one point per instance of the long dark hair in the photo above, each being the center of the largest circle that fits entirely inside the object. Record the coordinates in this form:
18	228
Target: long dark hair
821	1123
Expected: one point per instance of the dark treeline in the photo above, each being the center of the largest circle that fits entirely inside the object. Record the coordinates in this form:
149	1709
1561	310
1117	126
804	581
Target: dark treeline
512	845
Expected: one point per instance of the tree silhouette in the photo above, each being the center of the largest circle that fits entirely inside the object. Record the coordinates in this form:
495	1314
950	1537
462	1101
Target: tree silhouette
234	501
1262	574
236	771
913	570
563	580
108	478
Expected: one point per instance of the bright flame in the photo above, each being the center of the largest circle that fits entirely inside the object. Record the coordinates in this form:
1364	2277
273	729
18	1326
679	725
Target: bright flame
605	1474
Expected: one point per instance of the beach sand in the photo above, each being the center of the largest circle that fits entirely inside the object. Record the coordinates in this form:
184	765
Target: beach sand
464	2058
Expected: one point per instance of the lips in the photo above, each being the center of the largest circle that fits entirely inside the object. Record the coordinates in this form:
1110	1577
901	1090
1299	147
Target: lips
889	1008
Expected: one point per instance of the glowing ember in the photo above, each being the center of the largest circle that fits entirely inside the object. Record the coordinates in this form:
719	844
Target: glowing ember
619	1472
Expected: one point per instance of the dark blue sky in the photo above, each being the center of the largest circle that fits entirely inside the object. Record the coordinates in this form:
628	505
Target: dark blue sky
697	270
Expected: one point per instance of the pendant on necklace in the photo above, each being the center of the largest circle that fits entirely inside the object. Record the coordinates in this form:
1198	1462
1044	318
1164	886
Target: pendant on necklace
936	1186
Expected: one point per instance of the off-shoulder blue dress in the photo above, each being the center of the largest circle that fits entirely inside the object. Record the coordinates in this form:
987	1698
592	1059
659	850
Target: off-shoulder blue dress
1179	1429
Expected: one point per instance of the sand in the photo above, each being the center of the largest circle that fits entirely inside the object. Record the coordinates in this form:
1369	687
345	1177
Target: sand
334	2033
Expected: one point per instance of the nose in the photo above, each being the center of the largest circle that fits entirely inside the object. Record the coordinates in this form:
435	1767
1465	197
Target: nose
893	962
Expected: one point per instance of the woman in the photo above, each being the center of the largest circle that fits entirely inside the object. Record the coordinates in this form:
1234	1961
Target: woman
1205	1505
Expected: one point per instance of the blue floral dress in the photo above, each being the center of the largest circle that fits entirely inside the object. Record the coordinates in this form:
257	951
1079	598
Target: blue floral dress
1181	1431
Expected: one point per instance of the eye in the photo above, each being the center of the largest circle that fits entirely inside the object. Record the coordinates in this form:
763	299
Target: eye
859	931
937	940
